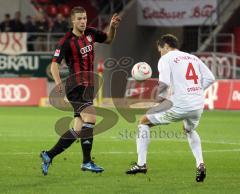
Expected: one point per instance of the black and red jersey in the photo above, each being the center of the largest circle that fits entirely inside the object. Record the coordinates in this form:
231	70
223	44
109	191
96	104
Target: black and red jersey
78	53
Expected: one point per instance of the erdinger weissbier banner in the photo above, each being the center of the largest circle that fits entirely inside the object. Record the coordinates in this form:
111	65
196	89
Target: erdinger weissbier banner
176	12
13	43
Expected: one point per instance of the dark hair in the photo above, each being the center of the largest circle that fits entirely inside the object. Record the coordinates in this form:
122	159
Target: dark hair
169	39
7	15
77	10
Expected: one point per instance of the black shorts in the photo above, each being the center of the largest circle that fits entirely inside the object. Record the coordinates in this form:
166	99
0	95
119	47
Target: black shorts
80	98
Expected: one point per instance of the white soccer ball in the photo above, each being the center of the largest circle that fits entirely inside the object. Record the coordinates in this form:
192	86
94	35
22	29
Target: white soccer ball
141	71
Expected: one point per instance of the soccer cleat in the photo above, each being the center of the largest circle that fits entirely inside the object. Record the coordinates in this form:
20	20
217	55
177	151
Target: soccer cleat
46	161
201	173
137	169
91	166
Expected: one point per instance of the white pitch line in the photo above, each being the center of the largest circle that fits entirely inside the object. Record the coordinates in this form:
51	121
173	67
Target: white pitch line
113	153
117	138
204	141
114	138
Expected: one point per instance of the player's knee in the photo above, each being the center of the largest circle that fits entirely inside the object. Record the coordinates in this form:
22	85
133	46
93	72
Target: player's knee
88	115
187	130
90	119
144	121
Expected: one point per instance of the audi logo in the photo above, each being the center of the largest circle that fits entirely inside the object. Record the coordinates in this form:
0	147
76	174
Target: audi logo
221	66
86	49
14	93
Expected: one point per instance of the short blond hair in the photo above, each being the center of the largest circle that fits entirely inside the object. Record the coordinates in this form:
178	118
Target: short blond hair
77	9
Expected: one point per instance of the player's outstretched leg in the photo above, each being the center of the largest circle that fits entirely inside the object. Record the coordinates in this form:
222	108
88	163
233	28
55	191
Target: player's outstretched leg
86	136
143	139
201	173
63	143
195	145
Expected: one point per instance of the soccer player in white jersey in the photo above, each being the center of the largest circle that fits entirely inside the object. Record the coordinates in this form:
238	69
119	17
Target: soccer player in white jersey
188	77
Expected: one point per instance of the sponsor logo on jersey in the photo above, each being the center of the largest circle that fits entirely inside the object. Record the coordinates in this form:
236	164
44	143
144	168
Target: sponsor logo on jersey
86	49
89	38
57	53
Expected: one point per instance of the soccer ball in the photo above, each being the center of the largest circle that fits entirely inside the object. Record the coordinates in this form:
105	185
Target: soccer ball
141	71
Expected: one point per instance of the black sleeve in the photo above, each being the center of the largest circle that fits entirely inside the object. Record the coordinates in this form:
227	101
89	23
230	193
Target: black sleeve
59	52
99	36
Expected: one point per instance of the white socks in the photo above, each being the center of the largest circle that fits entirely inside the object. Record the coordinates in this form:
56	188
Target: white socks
195	145
143	139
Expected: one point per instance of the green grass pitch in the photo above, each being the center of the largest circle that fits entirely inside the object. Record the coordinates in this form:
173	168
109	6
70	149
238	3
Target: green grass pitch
24	132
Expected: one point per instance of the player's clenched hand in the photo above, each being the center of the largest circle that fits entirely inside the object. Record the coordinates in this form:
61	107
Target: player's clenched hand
115	20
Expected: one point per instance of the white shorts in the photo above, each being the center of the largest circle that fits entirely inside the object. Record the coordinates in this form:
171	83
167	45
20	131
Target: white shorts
190	119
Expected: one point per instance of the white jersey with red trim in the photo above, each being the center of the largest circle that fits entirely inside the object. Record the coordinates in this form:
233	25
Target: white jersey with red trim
187	76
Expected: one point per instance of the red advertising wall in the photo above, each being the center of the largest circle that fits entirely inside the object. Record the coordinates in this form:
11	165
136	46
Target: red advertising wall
22	91
223	94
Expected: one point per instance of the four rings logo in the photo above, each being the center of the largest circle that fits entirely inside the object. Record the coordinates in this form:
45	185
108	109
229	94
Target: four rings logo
14	93
221	66
86	49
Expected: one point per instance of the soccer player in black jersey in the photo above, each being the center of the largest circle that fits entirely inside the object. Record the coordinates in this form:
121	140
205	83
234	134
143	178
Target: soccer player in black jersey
77	48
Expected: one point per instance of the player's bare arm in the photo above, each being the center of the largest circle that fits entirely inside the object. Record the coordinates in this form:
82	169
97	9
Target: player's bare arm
112	28
56	75
162	91
164	103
